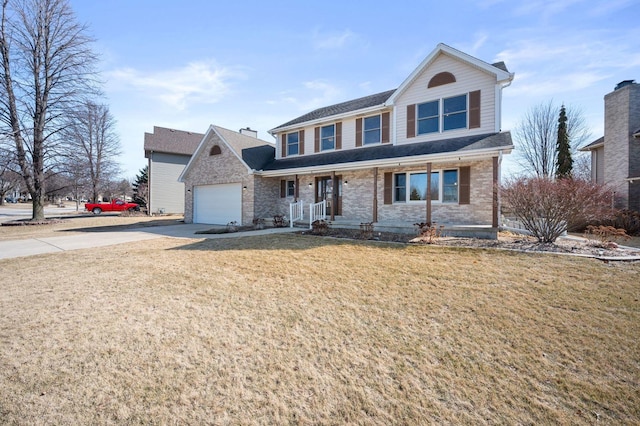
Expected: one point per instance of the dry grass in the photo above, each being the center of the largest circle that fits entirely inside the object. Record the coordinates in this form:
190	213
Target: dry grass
291	329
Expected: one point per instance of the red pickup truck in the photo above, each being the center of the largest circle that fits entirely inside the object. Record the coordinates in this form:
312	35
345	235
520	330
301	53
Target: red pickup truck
115	205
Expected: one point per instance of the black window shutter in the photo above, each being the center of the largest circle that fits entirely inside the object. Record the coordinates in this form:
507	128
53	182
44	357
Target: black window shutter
388	188
474	109
464	179
411	121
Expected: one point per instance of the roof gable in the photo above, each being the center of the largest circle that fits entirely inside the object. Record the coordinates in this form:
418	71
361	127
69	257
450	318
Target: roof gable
499	69
237	143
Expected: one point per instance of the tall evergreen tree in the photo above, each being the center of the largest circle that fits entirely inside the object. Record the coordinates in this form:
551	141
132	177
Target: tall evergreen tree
564	162
141	187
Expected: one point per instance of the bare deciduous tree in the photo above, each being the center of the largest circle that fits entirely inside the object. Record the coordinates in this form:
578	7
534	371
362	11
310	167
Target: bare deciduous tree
9	178
93	144
47	67
536	137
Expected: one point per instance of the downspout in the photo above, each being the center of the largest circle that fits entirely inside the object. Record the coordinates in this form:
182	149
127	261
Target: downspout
499	184
428	218
498	109
149	185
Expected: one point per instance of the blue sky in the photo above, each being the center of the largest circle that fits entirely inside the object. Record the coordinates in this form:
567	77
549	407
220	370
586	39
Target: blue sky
193	63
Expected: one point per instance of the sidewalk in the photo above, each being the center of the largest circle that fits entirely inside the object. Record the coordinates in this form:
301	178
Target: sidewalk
34	246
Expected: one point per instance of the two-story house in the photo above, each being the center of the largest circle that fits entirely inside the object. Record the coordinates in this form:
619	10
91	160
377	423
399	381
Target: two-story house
168	152
428	151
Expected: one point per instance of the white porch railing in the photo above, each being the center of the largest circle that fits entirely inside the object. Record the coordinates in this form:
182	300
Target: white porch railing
295	212
317	211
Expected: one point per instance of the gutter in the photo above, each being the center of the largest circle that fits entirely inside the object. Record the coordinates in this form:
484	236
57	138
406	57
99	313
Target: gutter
482	154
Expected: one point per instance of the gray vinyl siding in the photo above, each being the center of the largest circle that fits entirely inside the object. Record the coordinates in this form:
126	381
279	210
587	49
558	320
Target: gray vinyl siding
167	194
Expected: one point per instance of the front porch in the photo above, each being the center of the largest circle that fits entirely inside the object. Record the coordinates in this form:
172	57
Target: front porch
317	211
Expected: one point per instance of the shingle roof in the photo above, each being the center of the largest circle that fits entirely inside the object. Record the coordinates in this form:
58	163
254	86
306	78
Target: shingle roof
386	151
238	141
501	65
258	157
341	108
171	141
595	144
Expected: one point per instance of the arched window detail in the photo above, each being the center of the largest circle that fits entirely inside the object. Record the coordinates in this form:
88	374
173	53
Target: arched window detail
215	150
441	78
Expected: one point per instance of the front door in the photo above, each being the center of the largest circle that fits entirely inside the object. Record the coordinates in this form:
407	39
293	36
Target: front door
330	189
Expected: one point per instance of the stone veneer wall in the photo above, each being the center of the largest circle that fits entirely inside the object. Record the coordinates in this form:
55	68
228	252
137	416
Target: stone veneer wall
357	197
621	151
478	212
634	147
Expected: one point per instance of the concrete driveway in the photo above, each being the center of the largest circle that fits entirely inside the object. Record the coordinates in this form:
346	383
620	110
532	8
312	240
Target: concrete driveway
33	246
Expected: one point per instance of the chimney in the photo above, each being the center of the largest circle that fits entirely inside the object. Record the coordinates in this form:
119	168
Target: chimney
249	132
624	83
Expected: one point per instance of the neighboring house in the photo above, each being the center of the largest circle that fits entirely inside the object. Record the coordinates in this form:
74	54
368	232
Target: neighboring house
168	151
615	157
370	158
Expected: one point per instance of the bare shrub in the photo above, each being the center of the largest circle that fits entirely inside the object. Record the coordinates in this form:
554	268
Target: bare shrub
629	220
279	221
319	227
366	230
429	231
605	234
547	208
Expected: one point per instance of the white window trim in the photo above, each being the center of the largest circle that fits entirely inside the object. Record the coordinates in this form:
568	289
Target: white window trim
441	115
287	195
440	187
334	138
364	131
287	147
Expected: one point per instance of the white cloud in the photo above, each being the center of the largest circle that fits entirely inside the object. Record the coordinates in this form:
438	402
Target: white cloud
545	68
545	9
197	82
336	40
314	94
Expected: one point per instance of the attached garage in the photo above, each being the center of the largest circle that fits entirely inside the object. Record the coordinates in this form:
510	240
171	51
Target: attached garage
217	204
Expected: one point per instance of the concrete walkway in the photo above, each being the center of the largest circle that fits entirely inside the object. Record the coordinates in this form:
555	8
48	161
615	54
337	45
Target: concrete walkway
33	246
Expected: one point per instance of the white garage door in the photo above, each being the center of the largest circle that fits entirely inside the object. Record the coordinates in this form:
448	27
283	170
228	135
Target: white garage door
217	204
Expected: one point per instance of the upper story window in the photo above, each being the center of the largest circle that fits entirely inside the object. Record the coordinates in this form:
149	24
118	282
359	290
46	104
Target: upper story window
429	117
293	143
328	137
215	150
454	115
372	130
455	112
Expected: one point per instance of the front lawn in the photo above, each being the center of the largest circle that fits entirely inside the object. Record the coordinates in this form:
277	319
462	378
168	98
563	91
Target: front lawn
291	329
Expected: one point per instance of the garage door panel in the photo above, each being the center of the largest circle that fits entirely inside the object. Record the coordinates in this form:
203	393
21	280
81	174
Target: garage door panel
217	204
